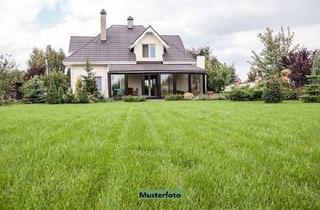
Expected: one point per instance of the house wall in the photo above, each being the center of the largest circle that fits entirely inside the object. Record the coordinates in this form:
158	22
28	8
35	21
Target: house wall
134	81
99	71
149	38
182	82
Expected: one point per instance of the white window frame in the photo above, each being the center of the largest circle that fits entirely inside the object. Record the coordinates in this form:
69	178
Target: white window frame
149	50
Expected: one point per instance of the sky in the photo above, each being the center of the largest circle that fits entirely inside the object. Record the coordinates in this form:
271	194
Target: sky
229	27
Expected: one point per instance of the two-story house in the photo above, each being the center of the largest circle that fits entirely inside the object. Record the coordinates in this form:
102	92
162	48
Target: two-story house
134	60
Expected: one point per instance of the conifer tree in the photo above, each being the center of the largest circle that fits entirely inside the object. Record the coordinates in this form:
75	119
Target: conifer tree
312	90
52	94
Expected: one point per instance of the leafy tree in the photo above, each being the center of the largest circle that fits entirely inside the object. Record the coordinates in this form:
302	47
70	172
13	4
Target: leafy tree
269	60
312	90
33	91
218	74
52	94
8	75
194	52
37	58
54	59
89	80
35	71
252	75
81	92
300	64
46	60
273	91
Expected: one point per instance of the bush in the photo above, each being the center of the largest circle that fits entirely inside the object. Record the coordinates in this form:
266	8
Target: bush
53	95
188	96
59	78
245	94
69	97
273	91
291	94
256	94
174	97
81	92
133	98
239	94
33	91
202	97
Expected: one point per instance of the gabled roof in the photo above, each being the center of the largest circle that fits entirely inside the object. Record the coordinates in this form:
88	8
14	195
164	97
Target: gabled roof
149	29
116	48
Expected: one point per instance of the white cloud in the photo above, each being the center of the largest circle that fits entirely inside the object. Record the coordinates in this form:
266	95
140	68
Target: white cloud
229	27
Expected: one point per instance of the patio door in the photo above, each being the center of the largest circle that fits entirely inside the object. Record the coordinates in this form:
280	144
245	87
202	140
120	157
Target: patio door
151	85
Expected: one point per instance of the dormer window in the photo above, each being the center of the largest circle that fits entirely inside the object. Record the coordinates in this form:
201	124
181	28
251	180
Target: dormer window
149	50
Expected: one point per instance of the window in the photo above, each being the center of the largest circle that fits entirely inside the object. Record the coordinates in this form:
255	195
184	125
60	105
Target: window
196	84
98	83
149	50
117	85
166	84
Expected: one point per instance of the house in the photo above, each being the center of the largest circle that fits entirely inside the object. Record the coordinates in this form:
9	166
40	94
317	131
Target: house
136	60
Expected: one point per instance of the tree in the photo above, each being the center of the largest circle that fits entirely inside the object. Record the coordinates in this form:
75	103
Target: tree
81	92
59	78
269	60
33	91
233	75
312	90
35	71
300	64
273	92
37	58
89	80
218	74
8	75
252	75
52	94
54	59
194	52
47	60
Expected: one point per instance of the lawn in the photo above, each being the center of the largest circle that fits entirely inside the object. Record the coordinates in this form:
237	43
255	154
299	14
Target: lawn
220	154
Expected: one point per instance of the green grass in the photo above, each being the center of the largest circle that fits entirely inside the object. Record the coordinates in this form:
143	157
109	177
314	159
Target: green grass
221	154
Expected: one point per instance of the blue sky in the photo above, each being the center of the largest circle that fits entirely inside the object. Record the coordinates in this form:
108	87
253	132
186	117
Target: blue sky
49	16
229	27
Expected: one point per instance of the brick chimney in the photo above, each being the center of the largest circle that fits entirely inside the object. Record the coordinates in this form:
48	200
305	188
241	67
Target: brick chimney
130	22
103	24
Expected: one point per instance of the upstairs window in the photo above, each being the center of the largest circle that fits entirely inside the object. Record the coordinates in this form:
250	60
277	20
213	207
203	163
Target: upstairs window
149	50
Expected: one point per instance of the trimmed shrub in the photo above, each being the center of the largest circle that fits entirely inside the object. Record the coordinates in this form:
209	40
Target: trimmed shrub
174	97
33	91
81	92
273	91
256	94
188	96
239	94
133	98
245	94
52	94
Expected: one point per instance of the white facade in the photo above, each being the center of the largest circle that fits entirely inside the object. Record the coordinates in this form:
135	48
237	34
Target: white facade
98	70
149	38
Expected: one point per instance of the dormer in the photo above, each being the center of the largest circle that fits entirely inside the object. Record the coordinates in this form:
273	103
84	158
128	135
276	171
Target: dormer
149	46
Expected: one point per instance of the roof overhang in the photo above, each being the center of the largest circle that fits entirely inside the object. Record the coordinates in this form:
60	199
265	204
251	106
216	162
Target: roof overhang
155	68
149	29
